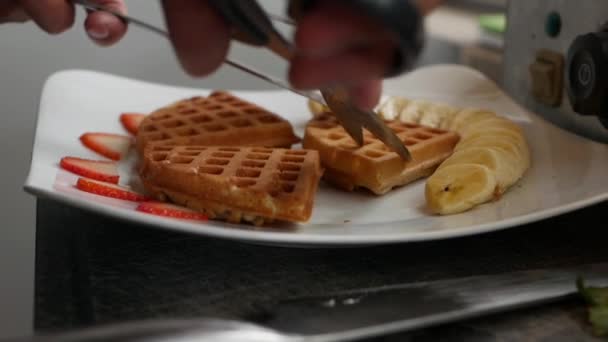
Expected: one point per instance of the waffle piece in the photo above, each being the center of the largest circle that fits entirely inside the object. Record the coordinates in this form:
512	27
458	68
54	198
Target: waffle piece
236	184
220	119
374	166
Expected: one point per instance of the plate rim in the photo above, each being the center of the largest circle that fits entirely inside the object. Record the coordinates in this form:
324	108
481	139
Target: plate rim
282	238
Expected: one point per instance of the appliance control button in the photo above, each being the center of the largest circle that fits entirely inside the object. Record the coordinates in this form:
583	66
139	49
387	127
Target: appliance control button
546	74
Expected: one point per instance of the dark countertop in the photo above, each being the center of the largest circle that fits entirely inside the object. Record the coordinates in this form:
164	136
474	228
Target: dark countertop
96	270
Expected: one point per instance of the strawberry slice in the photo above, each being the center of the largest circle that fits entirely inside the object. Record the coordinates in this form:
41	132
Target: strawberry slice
131	121
170	210
113	146
105	171
109	190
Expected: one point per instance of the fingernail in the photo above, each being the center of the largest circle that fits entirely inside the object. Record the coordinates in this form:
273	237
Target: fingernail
99	32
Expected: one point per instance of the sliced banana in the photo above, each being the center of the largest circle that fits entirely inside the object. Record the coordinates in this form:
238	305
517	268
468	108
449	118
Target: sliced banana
317	108
500	162
468	116
490	130
459	187
414	111
491	156
485	124
391	107
436	115
506	142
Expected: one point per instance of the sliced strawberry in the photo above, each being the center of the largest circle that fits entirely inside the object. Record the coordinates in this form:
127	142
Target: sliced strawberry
112	146
170	210
109	190
131	121
105	171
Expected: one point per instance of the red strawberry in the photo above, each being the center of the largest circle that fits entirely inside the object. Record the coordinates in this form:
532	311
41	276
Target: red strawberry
108	190
112	146
169	210
105	171
131	121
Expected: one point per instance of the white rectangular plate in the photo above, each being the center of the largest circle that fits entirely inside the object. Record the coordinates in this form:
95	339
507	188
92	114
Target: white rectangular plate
567	173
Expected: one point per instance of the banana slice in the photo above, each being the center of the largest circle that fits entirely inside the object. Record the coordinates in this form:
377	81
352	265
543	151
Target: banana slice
515	152
484	124
503	164
459	187
506	142
492	132
437	115
392	107
317	108
468	116
414	111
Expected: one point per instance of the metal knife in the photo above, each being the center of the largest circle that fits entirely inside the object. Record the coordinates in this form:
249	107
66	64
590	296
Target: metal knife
363	313
254	27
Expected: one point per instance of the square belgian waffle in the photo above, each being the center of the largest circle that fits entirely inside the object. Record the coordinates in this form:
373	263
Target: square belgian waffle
236	184
219	119
374	166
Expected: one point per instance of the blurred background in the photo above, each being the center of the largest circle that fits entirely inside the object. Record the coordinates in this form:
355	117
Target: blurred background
462	31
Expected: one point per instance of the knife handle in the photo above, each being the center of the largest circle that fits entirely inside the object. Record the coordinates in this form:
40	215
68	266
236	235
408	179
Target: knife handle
401	17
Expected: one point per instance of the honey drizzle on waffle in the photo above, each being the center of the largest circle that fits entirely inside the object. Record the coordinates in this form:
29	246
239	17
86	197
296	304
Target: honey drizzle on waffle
213	119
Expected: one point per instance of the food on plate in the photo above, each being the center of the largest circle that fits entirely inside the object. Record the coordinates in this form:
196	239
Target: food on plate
131	121
108	190
459	187
317	108
234	183
170	210
374	166
391	108
422	112
105	171
491	155
112	146
494	142
219	119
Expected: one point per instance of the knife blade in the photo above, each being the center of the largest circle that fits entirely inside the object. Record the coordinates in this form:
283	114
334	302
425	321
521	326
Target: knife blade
366	313
361	313
311	95
352	118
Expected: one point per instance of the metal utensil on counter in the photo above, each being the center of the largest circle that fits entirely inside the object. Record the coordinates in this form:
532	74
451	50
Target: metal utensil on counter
362	313
254	27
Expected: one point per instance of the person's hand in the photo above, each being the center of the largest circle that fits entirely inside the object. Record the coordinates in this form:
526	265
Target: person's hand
56	16
333	46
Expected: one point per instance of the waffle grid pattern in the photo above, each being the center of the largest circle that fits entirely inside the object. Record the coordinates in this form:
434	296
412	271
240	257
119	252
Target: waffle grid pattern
276	171
218	115
412	135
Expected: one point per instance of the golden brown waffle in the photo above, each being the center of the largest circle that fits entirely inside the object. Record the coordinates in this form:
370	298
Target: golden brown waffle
236	184
374	166
220	119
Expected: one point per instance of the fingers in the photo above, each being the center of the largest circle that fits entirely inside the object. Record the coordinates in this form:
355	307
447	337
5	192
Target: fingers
11	11
338	45
332	27
349	67
367	95
52	16
199	35
103	28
